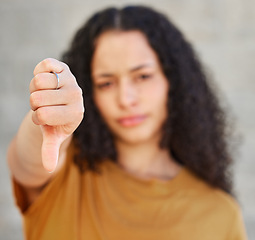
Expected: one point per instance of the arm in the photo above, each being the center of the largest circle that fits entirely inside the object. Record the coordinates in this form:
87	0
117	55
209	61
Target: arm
45	133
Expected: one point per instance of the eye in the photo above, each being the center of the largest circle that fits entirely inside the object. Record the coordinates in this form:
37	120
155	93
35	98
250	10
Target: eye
104	85
144	76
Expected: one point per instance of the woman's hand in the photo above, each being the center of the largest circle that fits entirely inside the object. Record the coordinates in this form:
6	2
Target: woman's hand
58	111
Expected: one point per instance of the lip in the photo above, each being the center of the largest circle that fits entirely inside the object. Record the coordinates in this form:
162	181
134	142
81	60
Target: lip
131	121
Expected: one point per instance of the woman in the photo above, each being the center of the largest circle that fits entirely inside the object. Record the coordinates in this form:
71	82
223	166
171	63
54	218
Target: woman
150	158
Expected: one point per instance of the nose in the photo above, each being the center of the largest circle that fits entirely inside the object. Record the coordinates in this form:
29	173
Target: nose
127	94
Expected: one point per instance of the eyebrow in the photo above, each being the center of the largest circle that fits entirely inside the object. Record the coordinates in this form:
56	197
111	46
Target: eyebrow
140	67
136	68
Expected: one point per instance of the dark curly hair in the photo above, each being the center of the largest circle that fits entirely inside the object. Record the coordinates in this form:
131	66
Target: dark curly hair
195	130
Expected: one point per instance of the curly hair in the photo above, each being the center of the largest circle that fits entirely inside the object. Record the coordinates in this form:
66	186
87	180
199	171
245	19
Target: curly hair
195	129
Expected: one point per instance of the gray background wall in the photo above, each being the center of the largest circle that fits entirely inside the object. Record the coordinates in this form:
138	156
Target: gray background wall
222	32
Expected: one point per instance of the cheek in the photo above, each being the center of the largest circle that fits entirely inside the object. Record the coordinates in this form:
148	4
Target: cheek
103	105
159	101
158	94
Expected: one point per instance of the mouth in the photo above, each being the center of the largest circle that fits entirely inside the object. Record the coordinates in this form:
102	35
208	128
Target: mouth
131	120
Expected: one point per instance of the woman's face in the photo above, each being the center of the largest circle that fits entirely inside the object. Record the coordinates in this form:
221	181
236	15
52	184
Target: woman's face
130	89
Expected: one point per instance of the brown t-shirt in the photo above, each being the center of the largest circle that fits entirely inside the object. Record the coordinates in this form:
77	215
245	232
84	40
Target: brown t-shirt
115	205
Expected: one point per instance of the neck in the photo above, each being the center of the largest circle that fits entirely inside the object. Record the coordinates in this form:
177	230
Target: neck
147	160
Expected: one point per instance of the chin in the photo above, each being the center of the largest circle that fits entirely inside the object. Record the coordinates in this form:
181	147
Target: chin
138	137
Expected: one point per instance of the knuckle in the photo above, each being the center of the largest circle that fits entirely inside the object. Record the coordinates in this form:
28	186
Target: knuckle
31	86
34	100
79	113
37	81
41	115
76	93
47	63
65	66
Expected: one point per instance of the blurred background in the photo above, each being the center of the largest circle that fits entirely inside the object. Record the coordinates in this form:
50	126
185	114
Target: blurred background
221	31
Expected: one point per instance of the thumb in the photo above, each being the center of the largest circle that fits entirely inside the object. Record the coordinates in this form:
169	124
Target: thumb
50	148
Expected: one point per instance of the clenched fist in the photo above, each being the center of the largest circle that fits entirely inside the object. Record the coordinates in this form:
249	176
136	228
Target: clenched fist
57	107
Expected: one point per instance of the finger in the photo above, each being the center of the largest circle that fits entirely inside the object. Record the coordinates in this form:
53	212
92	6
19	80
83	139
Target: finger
50	148
46	81
65	96
48	98
57	115
49	65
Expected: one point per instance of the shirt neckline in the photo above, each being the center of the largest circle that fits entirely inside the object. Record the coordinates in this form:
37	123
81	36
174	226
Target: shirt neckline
183	172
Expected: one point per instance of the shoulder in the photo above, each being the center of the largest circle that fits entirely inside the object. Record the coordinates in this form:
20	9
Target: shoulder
210	197
214	206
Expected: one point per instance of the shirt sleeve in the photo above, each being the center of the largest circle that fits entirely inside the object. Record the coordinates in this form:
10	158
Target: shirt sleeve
19	196
237	230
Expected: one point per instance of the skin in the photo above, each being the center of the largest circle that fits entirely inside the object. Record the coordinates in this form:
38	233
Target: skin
132	103
39	148
131	94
